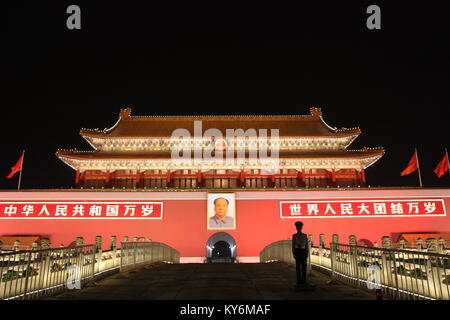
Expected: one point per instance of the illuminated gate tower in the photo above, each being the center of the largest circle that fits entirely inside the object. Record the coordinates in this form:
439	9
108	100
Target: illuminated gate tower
136	153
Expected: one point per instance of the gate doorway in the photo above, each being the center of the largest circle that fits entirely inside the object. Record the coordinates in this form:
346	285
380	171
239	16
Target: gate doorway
221	247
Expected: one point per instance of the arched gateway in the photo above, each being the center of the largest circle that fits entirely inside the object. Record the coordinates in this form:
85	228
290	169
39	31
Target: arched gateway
221	247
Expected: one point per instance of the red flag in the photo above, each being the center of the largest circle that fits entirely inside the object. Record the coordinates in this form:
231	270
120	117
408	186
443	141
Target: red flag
412	166
442	166
16	168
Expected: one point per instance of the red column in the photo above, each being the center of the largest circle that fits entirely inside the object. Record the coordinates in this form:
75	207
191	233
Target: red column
169	177
138	179
242	178
77	177
199	178
301	178
333	177
272	180
363	176
356	175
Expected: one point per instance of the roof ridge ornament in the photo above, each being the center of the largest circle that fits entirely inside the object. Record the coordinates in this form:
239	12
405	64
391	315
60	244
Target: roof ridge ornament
125	113
315	112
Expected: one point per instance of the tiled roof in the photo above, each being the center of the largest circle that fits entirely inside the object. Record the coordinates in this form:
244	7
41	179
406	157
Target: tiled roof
163	126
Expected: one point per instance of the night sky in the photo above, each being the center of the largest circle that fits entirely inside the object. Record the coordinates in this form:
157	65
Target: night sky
184	59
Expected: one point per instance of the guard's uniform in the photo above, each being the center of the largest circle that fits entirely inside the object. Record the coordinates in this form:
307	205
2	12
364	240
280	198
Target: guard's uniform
300	252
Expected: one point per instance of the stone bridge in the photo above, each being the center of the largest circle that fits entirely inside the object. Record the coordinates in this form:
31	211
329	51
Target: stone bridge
216	281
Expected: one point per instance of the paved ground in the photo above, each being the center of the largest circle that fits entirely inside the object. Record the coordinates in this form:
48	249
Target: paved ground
270	281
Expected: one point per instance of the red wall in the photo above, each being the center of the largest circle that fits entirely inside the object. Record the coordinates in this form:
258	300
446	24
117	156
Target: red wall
258	221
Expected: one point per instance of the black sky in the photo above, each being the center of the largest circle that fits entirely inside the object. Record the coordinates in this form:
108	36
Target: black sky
226	59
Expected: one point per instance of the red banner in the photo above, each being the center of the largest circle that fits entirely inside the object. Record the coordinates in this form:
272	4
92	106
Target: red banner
362	208
81	210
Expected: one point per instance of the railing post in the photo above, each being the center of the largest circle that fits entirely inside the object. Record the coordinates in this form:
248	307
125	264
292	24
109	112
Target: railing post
149	248
432	245
434	274
94	250
134	250
79	241
98	244
321	247
16	246
353	258
28	273
385	265
45	243
397	292
441	245
113	248
335	238
420	244
122	254
144	248
333	260
386	242
310	244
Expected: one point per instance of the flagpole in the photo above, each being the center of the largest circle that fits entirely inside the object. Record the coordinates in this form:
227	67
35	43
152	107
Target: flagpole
418	167
448	162
20	174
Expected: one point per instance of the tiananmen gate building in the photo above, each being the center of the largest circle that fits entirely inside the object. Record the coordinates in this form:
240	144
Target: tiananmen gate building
194	181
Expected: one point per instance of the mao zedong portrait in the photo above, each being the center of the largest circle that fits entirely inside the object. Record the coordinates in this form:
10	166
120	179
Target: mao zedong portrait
220	219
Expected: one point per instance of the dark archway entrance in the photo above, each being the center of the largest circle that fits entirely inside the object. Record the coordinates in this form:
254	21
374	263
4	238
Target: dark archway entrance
221	247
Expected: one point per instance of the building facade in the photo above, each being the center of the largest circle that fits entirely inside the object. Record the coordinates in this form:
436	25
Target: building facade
179	190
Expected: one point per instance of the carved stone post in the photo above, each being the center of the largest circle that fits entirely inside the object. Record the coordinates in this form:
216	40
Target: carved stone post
386	242
79	241
441	245
432	245
113	248
98	242
45	243
322	240
321	246
420	245
310	244
135	240
311	240
335	238
16	245
386	267
113	242
98	245
353	258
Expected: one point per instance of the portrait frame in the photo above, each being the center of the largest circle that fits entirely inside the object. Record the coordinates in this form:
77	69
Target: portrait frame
231	212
